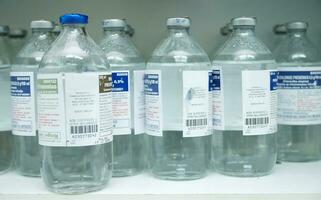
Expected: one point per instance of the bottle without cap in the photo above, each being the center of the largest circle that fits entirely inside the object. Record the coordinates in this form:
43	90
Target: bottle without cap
74	111
23	98
244	104
127	67
299	90
178	102
6	149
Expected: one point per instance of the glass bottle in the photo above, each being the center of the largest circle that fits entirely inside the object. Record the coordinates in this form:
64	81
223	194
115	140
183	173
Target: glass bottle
17	38
56	30
244	99
23	98
299	103
280	33
177	97
6	149
74	111
127	67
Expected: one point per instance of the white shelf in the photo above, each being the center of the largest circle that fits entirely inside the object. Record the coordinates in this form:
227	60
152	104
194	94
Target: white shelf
288	181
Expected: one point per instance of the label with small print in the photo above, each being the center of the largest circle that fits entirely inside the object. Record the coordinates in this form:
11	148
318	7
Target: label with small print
299	95
74	109
139	102
23	103
153	102
196	103
259	97
218	99
121	103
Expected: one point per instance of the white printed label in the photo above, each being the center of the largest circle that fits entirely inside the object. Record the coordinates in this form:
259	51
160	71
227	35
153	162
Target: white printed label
259	97
153	100
196	95
23	104
121	103
74	109
218	99
139	102
299	95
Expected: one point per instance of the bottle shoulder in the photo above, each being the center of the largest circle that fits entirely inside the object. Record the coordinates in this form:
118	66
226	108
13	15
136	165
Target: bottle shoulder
238	48
178	50
73	53
297	50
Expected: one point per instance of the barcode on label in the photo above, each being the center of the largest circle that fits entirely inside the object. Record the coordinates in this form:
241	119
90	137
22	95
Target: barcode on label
196	122
257	121
84	129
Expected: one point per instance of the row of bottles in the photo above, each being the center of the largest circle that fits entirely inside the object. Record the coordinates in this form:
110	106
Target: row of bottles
97	111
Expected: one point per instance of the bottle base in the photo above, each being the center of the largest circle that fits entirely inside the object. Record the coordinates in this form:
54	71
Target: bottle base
125	172
177	176
29	174
243	174
289	158
75	187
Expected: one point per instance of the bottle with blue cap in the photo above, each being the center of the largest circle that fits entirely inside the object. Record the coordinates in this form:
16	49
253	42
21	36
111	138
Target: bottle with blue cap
74	111
127	67
244	104
178	102
6	149
23	98
299	96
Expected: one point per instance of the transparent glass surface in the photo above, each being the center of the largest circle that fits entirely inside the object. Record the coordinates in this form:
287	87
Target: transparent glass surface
74	170
6	149
233	153
298	143
27	149
129	149
173	156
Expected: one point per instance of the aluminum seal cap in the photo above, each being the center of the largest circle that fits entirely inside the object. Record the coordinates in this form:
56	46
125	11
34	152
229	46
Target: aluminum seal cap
297	25
280	29
41	24
113	23
244	21
178	22
4	29
73	18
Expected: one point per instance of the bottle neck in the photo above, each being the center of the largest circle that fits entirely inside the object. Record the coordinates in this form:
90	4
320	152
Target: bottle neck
41	32
297	33
178	32
114	32
243	31
74	29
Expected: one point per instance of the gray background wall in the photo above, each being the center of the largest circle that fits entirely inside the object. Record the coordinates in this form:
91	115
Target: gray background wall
148	16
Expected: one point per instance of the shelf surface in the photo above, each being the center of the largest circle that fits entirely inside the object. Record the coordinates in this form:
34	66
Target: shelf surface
288	180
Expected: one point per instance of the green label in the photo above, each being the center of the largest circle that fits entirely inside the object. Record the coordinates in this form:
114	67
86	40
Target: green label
47	86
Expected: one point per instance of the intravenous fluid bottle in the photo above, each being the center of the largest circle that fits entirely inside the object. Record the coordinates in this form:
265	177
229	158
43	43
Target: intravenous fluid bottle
23	98
299	102
74	111
127	67
244	104
178	103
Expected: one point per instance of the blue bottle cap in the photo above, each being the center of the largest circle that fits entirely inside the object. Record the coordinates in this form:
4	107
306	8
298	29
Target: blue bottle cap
73	18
